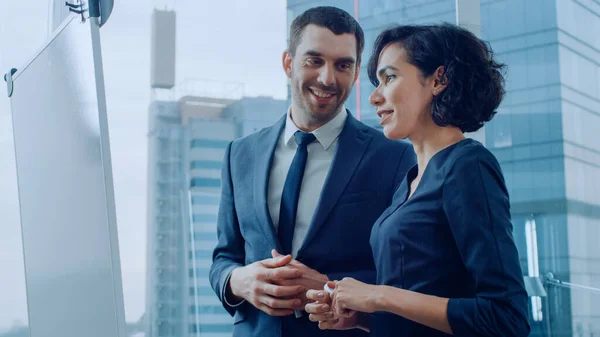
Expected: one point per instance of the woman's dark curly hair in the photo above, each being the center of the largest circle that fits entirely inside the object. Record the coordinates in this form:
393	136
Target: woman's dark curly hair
475	82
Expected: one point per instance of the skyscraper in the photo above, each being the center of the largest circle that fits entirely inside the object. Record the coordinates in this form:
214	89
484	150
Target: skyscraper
187	143
544	135
190	127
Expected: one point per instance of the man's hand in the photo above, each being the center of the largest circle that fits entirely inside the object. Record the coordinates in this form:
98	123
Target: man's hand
311	279
256	283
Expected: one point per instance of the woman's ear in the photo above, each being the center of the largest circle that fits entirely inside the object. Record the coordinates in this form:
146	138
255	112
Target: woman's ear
440	81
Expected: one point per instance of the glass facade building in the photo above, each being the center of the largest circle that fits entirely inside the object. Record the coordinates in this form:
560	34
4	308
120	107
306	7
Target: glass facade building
187	143
544	135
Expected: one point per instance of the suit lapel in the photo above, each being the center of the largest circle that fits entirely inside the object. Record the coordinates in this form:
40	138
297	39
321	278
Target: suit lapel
352	144
265	148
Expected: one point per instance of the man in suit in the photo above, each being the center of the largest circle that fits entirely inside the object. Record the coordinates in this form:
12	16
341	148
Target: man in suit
309	188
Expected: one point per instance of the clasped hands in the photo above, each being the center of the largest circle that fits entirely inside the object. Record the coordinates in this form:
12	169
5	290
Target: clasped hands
280	285
277	286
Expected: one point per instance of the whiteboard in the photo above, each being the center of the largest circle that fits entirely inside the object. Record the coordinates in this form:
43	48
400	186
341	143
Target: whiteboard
65	183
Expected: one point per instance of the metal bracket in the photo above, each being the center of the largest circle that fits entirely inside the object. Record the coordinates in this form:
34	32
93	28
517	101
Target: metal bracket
101	9
10	84
550	279
534	286
77	8
73	6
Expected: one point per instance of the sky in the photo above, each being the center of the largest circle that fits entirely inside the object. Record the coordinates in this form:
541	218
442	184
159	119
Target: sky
237	41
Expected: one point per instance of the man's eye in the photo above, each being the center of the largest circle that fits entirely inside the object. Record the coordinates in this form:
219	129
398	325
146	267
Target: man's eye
313	61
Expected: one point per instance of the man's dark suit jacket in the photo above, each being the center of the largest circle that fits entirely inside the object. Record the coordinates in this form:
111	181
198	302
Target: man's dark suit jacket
365	172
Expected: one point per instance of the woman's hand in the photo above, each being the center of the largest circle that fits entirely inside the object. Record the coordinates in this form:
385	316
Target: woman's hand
320	311
351	295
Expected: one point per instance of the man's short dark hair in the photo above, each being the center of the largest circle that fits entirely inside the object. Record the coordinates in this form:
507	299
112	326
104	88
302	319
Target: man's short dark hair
332	18
475	81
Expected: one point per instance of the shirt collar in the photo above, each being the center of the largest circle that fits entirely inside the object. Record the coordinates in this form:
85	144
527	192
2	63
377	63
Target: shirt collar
326	134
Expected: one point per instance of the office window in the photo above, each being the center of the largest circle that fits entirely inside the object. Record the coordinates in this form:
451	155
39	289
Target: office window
204	218
205	182
214	143
205	200
206	164
201	291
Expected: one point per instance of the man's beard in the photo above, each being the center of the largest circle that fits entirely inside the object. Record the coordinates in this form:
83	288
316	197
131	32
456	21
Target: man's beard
303	102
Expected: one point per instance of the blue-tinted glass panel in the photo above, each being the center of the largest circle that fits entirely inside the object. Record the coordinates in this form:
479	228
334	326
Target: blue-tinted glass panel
199	272
207	309
202	291
204	218
212	143
205	182
206	164
205	236
215	328
212	328
205	200
202	254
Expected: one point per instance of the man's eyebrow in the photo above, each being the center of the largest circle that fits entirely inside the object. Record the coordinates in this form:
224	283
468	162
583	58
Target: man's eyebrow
347	59
350	60
313	53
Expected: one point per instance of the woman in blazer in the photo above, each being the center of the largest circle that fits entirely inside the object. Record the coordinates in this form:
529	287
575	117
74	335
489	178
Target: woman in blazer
446	260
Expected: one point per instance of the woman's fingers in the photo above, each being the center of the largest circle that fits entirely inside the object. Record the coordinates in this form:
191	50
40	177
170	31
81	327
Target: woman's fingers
317	308
328	316
325	325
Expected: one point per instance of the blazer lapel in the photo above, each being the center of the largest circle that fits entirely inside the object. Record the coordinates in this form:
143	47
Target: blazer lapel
265	148
352	144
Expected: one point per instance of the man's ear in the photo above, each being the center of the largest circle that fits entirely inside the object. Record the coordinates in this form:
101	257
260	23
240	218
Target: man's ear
357	73
286	62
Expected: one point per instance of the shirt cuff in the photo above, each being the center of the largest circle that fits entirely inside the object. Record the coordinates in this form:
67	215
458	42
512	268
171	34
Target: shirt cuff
225	294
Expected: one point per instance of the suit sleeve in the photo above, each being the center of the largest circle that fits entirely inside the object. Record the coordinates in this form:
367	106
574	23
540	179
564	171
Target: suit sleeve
476	203
229	252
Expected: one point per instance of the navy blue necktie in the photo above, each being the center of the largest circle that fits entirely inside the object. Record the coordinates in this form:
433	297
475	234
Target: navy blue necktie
291	192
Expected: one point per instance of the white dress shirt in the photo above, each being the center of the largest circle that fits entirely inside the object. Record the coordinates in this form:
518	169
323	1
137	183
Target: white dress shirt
320	157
